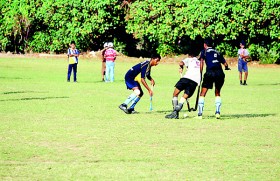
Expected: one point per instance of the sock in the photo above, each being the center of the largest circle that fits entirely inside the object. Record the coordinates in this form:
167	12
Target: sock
130	98
240	81
182	100
218	103
179	107
134	102
174	102
200	105
244	81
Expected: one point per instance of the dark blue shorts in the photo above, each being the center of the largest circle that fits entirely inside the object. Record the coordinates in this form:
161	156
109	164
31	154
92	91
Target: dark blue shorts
211	77
131	83
187	85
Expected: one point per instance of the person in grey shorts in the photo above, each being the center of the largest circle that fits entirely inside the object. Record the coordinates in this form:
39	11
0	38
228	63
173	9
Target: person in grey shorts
243	55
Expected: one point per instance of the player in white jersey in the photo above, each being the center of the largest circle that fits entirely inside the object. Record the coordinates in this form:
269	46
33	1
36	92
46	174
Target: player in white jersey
188	83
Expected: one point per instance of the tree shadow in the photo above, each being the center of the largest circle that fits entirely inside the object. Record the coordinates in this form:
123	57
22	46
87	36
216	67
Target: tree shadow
33	98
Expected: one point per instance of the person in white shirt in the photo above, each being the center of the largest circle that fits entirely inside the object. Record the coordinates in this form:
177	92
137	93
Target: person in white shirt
243	55
188	83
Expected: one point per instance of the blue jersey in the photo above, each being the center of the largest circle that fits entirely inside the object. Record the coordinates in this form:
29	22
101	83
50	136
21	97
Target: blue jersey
143	68
213	59
72	60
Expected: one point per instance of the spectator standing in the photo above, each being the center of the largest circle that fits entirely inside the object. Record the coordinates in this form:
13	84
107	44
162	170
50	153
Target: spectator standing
73	55
110	57
243	55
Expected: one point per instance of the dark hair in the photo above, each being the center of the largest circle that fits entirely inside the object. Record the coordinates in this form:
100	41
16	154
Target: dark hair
156	55
192	52
243	42
73	42
208	42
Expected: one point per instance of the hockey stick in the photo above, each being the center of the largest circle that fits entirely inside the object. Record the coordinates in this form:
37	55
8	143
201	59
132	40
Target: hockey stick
196	102
151	100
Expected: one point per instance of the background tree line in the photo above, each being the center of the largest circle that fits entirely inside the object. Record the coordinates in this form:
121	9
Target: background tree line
138	28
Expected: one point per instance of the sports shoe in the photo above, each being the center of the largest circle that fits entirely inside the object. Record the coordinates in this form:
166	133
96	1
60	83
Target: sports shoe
244	83
199	116
173	115
132	111
124	108
217	115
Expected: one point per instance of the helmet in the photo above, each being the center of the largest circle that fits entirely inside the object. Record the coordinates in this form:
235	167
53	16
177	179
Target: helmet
110	45
105	45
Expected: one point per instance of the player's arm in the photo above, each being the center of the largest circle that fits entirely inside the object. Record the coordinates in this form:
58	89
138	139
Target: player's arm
77	53
143	81
223	61
181	67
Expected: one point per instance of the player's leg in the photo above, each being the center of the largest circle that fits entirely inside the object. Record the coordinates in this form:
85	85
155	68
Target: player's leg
107	72
245	73
132	85
201	101
240	78
69	72
206	84
240	68
175	97
75	66
136	100
112	72
189	86
218	86
103	70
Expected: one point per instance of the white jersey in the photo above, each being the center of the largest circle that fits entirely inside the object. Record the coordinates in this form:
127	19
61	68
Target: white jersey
193	69
243	52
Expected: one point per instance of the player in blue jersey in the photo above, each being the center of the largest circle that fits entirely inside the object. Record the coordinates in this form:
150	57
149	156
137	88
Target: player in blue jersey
73	55
134	77
214	75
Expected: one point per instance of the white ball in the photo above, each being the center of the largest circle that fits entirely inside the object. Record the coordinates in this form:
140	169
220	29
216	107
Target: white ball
185	115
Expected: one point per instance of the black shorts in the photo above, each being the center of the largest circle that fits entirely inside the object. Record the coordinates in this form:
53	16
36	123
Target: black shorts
213	76
187	85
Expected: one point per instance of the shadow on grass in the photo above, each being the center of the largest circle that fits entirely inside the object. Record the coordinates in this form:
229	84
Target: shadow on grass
278	83
12	78
232	116
223	116
20	92
33	98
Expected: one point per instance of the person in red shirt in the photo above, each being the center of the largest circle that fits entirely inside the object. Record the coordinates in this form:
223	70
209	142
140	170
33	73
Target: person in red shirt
103	68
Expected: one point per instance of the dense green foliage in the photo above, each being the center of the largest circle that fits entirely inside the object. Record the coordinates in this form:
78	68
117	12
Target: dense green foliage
168	26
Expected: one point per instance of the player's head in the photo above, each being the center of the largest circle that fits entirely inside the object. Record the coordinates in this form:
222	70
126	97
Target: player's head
105	45
192	53
155	59
208	42
72	44
242	44
110	45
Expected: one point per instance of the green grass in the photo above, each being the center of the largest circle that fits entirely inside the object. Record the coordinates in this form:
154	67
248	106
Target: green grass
54	130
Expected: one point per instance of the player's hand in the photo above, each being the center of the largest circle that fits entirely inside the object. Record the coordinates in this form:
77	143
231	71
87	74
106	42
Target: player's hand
227	68
153	82
151	93
180	70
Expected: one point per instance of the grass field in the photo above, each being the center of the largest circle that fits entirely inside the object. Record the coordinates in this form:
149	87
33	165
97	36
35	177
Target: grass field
54	130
